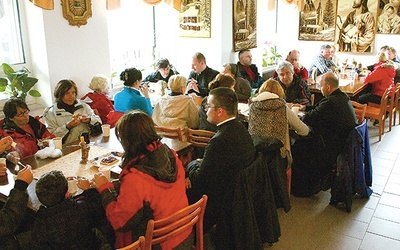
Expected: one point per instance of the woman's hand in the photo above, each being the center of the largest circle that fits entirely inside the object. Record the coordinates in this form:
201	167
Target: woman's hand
84	118
144	89
73	123
83	183
25	174
99	179
5	143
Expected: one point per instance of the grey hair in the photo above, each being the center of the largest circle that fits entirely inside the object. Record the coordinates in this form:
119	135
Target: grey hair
99	83
285	65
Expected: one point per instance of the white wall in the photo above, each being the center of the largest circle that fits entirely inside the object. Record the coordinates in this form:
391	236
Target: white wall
59	50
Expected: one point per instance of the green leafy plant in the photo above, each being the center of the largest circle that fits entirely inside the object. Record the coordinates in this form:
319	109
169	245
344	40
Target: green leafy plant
18	83
270	56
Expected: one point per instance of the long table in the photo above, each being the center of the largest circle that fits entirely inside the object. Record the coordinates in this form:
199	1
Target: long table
353	88
69	163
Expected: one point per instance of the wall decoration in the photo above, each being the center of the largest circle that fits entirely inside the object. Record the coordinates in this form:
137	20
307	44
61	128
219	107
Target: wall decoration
195	18
244	24
389	17
356	26
317	21
77	12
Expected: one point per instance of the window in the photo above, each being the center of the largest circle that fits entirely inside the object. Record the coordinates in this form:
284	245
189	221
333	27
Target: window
11	48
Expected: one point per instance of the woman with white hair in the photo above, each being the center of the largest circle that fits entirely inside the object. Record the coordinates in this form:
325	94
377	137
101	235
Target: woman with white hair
176	109
98	99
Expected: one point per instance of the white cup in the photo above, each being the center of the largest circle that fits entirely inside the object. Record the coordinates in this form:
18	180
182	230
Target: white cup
106	129
72	185
105	171
57	142
296	110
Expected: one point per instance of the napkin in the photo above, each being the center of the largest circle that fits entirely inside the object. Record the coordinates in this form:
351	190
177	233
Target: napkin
49	152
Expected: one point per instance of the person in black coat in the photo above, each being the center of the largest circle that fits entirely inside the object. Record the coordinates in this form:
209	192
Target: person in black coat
229	151
200	76
164	71
331	121
247	70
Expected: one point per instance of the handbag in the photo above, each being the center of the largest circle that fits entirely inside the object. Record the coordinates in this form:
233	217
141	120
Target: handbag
95	129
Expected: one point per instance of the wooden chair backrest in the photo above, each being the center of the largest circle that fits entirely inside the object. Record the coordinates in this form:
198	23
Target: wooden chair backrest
359	109
137	245
198	137
164	229
173	133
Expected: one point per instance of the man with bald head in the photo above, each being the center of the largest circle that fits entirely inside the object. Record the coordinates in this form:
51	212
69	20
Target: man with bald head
331	120
293	57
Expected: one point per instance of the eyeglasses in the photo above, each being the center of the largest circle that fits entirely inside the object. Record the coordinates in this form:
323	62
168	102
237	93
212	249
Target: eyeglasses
207	107
23	113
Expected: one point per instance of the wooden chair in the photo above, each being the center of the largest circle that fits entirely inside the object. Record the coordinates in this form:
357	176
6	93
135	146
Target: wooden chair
137	245
379	113
198	137
359	109
391	107
396	103
173	133
164	229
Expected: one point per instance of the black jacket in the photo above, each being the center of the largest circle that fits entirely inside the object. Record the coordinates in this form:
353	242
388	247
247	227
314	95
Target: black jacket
203	79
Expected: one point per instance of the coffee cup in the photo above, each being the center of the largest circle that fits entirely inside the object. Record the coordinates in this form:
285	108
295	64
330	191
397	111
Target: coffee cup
105	171
72	184
106	129
57	142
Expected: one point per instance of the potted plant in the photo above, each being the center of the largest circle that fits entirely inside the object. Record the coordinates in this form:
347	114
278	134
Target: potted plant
18	83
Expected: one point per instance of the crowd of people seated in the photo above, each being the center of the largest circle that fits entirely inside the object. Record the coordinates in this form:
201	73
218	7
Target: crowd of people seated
154	183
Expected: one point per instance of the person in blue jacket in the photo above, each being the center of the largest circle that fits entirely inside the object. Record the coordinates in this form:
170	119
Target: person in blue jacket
134	95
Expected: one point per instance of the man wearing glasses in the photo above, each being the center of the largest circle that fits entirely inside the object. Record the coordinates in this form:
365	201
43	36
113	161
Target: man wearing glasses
24	129
164	71
229	151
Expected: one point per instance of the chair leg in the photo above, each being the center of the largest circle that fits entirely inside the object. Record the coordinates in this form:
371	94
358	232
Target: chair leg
390	120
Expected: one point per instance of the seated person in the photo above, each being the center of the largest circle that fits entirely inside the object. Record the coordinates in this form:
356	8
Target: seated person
164	71
242	86
247	70
331	120
293	57
200	76
176	110
380	79
270	117
230	150
323	61
63	222
98	99
69	117
134	95
24	129
296	90
13	211
221	80
152	182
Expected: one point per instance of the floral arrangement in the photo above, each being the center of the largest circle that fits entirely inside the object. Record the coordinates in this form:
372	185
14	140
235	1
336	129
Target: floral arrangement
270	57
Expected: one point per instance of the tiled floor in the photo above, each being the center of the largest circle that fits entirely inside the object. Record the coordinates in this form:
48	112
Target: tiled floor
374	223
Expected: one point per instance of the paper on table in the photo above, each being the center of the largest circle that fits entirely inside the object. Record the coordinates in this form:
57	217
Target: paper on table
345	82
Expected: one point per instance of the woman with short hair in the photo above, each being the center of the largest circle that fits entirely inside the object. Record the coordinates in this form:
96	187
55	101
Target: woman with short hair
69	117
176	110
98	99
24	129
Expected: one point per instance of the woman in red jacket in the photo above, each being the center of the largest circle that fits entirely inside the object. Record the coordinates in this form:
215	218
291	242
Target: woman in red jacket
98	99
24	129
152	182
380	79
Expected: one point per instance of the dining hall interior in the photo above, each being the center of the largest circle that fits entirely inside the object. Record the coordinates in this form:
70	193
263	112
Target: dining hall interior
136	34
